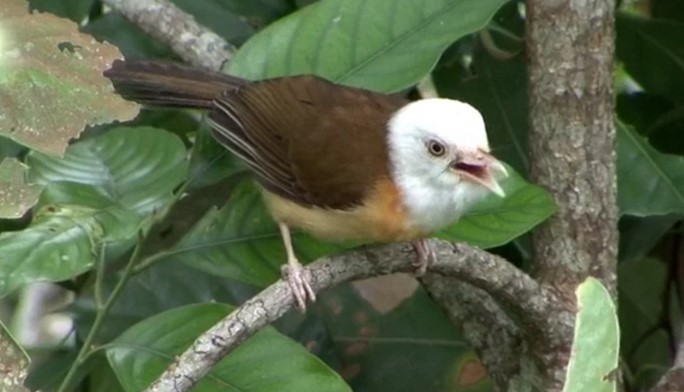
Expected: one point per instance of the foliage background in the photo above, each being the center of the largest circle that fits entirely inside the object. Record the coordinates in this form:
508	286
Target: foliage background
161	186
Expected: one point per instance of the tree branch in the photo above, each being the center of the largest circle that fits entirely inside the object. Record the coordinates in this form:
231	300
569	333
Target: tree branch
486	327
516	290
164	21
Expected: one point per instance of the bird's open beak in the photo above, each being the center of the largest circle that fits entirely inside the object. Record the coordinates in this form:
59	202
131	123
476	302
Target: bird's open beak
482	169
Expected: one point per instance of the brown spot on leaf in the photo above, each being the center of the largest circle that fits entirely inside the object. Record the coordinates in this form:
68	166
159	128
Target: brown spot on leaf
367	331
350	371
472	373
361	317
357	348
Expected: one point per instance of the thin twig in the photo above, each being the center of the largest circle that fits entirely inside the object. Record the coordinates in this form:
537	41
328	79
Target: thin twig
514	288
99	276
100	317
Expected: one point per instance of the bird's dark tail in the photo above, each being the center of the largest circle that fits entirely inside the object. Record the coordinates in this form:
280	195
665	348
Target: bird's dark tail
168	84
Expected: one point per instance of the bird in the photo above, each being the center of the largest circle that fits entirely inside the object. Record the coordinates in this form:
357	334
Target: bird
342	163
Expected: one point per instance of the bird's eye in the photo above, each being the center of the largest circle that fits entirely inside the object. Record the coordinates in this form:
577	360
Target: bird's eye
436	148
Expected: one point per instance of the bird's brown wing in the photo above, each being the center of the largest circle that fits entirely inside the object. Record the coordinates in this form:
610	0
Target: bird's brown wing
307	139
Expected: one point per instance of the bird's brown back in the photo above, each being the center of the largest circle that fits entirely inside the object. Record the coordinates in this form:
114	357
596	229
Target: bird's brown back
314	142
306	139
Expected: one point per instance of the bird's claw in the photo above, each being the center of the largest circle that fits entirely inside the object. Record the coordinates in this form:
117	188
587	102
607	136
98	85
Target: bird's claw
425	257
298	281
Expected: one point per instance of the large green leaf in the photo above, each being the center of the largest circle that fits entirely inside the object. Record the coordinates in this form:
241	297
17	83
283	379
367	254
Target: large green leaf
135	168
101	191
649	182
495	220
651	360
51	83
59	244
639	235
384	45
594	357
266	362
652	53
641	285
655	117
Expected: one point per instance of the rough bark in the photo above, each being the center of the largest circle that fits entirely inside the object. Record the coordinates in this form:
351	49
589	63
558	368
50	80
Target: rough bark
492	333
572	137
164	21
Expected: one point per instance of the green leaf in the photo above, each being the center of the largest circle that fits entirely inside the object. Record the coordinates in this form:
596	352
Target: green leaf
241	241
164	286
76	10
372	330
652	53
266	362
47	374
59	244
134	168
102	191
495	220
649	182
641	285
16	195
211	162
14	363
639	235
102	377
595	347
383	45
656	117
667	9
651	360
51	83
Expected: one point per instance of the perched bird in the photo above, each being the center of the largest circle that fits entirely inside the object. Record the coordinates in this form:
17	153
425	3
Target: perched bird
339	162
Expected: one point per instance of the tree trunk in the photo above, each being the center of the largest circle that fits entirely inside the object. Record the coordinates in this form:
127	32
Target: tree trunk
572	151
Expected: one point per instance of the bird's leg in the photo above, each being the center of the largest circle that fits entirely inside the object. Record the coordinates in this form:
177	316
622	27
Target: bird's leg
425	257
293	271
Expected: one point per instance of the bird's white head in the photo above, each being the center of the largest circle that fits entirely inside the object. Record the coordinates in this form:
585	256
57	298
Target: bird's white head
440	160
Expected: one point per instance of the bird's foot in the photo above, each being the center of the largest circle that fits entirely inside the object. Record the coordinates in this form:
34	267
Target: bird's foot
299	283
425	257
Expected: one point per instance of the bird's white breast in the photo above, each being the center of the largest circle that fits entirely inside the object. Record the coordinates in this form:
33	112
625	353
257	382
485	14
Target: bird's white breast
433	205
